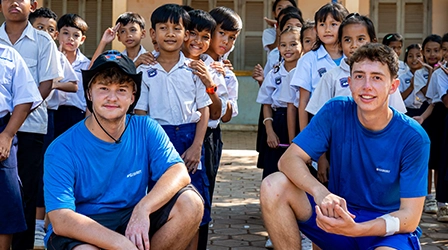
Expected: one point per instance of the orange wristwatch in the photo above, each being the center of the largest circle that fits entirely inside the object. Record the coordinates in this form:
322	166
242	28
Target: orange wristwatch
211	90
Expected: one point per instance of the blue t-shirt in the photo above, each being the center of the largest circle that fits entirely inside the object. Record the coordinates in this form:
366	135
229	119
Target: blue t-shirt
372	170
91	176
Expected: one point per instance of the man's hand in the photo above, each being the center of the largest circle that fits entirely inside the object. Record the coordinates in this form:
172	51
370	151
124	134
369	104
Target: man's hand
342	223
328	203
5	146
137	230
192	157
146	58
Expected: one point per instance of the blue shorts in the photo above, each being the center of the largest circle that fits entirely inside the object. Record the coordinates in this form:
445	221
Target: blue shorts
182	138
11	211
408	241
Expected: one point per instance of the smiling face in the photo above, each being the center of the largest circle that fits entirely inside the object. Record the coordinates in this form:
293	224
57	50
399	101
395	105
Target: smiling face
198	43
17	10
169	36
327	31
371	84
412	59
353	37
131	34
46	24
70	38
290	47
432	53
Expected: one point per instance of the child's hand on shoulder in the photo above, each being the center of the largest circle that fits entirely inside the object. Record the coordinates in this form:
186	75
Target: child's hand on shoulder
201	71
270	22
227	64
427	66
146	58
218	66
110	34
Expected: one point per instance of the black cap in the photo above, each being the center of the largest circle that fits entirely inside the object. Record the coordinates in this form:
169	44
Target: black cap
109	59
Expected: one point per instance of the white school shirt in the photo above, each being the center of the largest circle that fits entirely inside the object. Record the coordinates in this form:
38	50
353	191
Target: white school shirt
271	90
437	86
69	76
76	99
17	83
402	68
335	83
232	90
141	51
290	95
219	81
172	98
273	60
268	38
420	81
310	68
39	52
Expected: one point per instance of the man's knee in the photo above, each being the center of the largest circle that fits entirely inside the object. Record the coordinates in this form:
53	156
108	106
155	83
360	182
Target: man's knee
85	247
189	202
273	186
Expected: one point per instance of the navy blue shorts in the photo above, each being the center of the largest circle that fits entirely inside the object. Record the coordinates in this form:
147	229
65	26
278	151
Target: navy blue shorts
11	211
408	241
182	138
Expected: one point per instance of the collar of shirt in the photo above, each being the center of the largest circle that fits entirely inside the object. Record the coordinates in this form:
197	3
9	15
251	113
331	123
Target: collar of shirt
182	63
80	59
29	32
140	51
344	65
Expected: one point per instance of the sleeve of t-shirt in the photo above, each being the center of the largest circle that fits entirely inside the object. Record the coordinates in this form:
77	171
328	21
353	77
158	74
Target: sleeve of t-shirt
24	88
302	76
442	87
403	85
315	138
232	89
202	98
266	90
142	103
49	67
69	72
414	166
222	91
431	92
162	153
396	102
419	80
323	93
268	37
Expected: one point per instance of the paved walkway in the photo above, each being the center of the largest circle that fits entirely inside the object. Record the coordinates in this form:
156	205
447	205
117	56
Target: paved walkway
237	222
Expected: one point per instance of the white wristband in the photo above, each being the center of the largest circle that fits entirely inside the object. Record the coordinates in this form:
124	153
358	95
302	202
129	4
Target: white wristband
392	224
266	119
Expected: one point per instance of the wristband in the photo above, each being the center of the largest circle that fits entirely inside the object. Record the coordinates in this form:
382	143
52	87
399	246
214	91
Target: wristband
392	224
211	90
266	119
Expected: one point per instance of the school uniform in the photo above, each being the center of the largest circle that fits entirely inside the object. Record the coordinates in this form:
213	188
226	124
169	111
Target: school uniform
268	38
172	99
17	87
273	59
232	85
416	102
39	52
335	83
72	106
402	68
289	95
269	93
141	51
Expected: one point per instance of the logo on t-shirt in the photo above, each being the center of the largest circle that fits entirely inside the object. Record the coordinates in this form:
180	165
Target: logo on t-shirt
344	82
322	71
152	72
426	76
407	81
134	174
278	80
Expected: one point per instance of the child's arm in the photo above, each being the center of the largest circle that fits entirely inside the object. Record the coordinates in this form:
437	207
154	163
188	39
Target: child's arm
430	70
18	116
146	58
66	86
409	90
229	111
272	138
291	117
192	156
108	36
420	119
45	88
258	74
303	115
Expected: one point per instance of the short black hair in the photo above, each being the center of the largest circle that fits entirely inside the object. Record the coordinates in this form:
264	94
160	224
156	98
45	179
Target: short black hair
187	8
289	16
227	18
170	13
355	18
376	52
42	12
392	37
274	5
445	38
201	20
432	38
308	24
73	20
289	10
131	17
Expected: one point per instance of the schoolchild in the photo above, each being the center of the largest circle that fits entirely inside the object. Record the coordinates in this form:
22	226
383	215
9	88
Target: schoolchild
46	20
355	31
19	95
308	36
395	42
40	54
72	106
442	177
433	118
269	37
130	30
175	97
325	55
412	58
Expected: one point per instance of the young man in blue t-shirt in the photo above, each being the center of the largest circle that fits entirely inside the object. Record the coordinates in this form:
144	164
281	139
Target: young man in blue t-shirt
378	166
97	173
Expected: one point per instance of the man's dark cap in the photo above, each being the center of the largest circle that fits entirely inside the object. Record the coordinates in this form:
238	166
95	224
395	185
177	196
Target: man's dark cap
109	59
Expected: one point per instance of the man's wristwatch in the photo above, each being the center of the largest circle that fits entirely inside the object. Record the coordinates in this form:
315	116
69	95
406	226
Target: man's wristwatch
211	90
